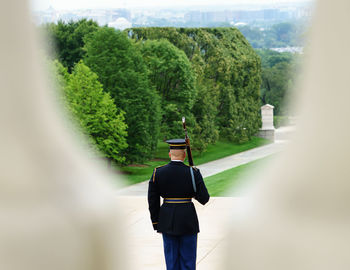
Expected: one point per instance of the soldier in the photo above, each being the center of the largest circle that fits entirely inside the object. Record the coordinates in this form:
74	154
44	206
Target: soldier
176	218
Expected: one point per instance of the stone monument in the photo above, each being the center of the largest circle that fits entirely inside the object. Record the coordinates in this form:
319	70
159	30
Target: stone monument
267	130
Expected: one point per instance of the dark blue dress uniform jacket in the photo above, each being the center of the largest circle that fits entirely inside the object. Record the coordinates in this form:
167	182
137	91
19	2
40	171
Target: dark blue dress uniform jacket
174	181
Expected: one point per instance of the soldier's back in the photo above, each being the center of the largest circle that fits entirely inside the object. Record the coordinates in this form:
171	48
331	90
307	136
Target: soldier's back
174	180
177	215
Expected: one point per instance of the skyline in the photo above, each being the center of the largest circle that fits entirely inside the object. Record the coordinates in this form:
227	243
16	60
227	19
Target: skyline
94	4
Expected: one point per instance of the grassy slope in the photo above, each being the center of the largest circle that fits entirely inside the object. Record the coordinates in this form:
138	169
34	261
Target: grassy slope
220	184
141	172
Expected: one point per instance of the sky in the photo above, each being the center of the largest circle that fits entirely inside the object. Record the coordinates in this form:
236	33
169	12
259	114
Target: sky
82	4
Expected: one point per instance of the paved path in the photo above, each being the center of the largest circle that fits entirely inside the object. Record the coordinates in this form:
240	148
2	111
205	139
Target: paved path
220	165
145	247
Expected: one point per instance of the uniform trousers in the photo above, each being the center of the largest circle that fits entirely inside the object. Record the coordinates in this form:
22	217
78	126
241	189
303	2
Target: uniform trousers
180	251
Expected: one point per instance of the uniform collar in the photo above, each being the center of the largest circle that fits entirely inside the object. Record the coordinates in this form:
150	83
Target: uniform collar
177	162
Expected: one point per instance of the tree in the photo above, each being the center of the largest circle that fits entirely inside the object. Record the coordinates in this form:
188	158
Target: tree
123	73
69	40
285	33
235	70
94	110
254	35
278	77
172	76
269	58
277	81
224	63
205	110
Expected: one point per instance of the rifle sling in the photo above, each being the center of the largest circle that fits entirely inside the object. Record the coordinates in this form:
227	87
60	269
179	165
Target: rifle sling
193	182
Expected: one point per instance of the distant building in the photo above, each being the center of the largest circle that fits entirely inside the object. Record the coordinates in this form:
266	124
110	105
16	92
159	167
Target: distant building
288	49
120	23
47	16
240	24
237	15
121	18
193	16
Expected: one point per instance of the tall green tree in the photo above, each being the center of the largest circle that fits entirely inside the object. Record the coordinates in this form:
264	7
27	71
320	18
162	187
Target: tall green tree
69	39
205	108
172	76
122	71
94	110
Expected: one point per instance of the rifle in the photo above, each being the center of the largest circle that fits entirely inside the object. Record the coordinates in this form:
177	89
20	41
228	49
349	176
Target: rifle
188	146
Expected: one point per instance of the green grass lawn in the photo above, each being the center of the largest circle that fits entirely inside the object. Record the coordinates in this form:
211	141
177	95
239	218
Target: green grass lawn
220	184
136	173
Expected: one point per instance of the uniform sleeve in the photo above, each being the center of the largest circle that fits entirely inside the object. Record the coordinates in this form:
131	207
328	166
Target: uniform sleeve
202	194
153	200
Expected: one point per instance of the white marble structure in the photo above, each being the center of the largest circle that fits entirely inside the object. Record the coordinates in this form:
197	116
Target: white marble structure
58	207
267	130
297	215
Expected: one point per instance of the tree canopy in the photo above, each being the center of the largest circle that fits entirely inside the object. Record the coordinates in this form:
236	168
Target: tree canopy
93	110
123	73
154	76
69	39
278	78
225	64
171	73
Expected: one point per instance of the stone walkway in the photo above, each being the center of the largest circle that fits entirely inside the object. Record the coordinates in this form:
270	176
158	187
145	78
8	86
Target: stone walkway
145	246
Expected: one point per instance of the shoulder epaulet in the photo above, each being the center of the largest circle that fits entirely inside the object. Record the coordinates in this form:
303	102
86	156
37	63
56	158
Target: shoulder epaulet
155	169
161	166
